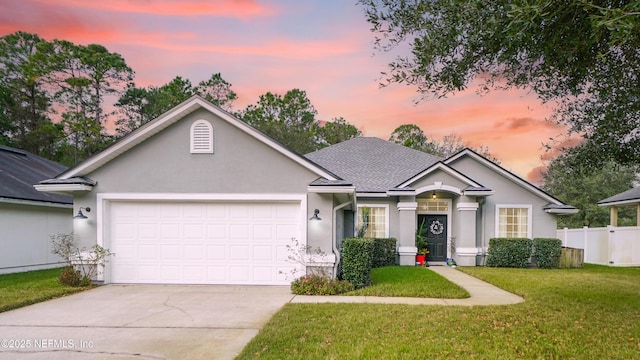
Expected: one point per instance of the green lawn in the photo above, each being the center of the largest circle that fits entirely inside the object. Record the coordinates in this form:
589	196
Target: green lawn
410	281
590	313
21	289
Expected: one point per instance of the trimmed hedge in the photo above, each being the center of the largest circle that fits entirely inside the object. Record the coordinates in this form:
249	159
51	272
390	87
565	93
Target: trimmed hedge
319	285
384	252
547	252
357	260
509	252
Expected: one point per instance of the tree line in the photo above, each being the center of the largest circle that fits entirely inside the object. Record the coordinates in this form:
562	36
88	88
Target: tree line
55	96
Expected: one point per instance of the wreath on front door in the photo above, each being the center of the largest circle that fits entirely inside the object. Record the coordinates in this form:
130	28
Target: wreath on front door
436	227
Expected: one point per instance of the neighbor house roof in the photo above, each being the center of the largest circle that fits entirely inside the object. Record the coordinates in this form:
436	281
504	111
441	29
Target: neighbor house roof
372	164
628	197
20	170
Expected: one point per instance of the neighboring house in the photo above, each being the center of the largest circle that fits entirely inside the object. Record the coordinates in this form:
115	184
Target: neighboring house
198	196
28	217
626	198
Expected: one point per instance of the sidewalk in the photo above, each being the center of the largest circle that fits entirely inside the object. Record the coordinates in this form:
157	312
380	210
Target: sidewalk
482	293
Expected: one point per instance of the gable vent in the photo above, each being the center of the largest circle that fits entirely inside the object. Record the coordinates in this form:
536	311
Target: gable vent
201	137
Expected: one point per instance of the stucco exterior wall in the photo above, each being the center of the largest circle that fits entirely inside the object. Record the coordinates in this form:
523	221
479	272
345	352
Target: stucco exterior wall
163	164
25	236
506	192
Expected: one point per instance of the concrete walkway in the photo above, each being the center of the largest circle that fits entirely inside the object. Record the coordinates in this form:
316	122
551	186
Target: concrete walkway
482	293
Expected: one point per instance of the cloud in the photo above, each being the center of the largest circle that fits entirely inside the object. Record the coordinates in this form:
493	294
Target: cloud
535	175
524	124
241	9
558	148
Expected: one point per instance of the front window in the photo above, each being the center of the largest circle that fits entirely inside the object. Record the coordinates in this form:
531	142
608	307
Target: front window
514	221
372	221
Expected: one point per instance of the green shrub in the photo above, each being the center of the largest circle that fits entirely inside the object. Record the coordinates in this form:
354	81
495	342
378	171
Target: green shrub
384	252
509	252
319	285
547	252
357	260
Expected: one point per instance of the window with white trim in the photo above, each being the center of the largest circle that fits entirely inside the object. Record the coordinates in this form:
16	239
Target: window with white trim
201	137
433	205
513	221
373	221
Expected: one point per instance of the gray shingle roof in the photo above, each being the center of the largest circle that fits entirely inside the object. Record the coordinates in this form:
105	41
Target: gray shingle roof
20	170
632	194
372	164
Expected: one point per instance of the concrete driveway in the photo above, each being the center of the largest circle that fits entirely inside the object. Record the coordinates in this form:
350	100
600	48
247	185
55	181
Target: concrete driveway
141	322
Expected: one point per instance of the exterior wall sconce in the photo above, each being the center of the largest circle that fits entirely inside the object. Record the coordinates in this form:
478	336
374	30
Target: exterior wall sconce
80	215
433	195
315	215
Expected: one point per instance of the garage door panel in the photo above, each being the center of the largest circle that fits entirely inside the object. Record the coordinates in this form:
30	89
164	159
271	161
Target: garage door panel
286	231
147	232
170	212
170	231
239	274
194	231
194	274
239	232
217	274
202	243
216	232
123	230
194	211
171	273
216	252
147	252
240	211
194	252
263	232
263	253
170	252
241	253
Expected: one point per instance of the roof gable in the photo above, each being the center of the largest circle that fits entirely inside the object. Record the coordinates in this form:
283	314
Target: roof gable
174	115
440	166
372	164
503	172
20	170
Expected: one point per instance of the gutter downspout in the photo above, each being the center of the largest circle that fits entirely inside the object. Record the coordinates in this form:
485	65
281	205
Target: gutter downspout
334	239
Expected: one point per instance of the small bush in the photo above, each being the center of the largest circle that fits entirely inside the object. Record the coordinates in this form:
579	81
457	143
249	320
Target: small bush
384	252
69	276
319	285
509	252
357	260
547	252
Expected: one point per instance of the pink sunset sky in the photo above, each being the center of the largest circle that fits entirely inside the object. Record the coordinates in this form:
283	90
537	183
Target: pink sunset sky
323	47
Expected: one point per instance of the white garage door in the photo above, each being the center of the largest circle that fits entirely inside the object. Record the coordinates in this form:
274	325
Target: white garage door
202	243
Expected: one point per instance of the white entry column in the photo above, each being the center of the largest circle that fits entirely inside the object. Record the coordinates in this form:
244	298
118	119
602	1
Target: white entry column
466	250
407	250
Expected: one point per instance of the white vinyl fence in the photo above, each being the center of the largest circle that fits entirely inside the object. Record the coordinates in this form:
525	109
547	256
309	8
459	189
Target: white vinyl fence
615	246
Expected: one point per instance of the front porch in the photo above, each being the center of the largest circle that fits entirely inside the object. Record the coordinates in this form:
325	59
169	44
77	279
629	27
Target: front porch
447	217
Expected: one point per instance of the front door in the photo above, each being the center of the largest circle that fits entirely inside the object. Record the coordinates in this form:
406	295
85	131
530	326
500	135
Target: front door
435	229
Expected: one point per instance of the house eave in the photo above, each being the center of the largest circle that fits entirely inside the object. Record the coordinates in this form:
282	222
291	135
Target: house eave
478	193
371	194
62	188
401	192
620	203
328	189
562	211
35	203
